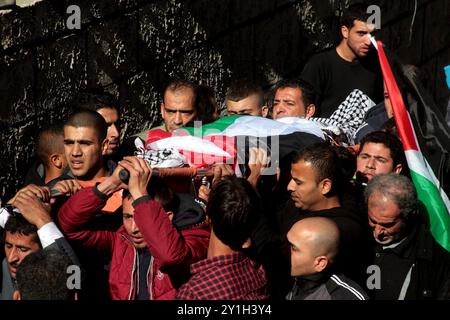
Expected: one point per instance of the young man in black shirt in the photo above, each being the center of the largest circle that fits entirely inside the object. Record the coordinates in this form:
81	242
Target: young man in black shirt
353	64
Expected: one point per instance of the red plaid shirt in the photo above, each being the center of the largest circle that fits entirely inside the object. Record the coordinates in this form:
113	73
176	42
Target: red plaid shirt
226	277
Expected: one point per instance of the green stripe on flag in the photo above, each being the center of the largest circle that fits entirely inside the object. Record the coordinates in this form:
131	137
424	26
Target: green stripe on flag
439	217
216	127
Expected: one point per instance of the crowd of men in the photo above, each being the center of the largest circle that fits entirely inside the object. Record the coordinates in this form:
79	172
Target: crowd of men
335	222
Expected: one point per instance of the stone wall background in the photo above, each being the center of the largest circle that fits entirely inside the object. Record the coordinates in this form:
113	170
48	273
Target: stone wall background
131	47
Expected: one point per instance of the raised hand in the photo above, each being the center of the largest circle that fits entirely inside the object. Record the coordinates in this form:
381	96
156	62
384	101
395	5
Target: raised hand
67	187
32	208
140	174
258	160
221	170
42	193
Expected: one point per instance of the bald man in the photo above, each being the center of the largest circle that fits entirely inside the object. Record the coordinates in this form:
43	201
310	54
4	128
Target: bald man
314	248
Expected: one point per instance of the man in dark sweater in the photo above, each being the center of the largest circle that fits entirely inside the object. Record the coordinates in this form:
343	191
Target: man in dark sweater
315	187
353	64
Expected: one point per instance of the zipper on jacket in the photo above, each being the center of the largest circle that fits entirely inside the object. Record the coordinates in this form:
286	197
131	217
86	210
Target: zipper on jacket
150	285
132	274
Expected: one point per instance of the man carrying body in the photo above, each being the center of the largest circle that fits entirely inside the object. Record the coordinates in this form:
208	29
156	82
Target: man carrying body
293	98
177	108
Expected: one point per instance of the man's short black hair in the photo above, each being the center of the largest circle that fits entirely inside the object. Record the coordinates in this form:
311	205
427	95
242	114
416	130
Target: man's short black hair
43	275
206	105
356	11
181	84
91	119
16	223
49	141
161	192
326	163
243	88
234	208
308	93
95	100
390	141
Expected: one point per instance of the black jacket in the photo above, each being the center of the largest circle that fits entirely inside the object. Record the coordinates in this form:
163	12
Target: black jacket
326	287
429	264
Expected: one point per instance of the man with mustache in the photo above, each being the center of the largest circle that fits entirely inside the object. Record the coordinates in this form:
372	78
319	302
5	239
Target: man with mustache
293	98
353	64
412	265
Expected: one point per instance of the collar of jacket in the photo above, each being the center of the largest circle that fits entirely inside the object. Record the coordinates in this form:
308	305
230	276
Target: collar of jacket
310	283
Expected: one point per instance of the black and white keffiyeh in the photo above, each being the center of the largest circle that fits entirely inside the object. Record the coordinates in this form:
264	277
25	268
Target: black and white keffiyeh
348	118
165	158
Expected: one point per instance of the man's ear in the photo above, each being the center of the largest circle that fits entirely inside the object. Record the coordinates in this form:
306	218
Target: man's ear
398	168
344	32
320	263
162	109
16	295
105	145
325	186
264	111
310	110
56	161
247	244
170	215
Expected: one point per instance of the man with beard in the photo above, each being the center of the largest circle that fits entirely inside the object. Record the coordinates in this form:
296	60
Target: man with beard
411	264
353	64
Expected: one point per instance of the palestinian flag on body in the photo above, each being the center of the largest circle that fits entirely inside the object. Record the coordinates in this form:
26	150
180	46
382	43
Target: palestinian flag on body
227	139
429	188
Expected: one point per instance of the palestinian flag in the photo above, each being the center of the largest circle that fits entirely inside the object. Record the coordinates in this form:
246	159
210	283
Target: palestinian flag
429	187
228	139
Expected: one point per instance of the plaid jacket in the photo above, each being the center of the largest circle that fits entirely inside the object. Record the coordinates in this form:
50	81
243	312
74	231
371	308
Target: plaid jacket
226	277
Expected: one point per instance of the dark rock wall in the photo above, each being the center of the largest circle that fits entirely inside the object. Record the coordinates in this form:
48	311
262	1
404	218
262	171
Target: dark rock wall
131	47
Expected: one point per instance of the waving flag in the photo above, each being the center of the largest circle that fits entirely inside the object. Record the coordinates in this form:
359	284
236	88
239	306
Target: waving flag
429	188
